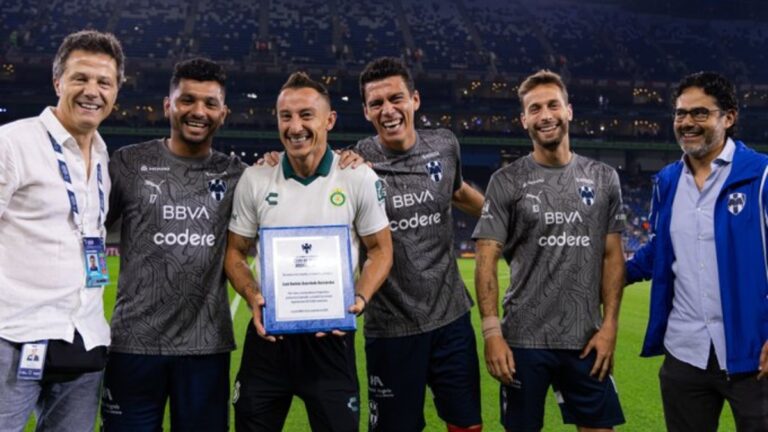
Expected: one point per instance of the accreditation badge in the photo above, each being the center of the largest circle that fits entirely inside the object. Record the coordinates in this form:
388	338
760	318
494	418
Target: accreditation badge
32	360
95	262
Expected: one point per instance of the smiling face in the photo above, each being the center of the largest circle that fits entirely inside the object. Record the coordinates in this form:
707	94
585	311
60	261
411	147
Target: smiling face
701	140
87	90
392	108
196	109
546	116
303	120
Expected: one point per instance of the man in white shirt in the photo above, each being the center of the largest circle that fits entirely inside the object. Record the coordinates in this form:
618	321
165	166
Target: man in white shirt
306	189
53	189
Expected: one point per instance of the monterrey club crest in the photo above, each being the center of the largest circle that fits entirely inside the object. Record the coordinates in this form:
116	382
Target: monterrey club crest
736	202
435	170
587	195
217	188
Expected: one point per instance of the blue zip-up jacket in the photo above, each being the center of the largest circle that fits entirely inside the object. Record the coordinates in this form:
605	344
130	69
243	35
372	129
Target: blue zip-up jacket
740	244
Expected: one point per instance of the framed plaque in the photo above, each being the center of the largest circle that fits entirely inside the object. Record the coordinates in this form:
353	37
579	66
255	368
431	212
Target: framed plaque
306	279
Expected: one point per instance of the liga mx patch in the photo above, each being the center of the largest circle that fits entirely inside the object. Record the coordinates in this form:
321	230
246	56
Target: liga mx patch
736	202
217	188
587	195
435	170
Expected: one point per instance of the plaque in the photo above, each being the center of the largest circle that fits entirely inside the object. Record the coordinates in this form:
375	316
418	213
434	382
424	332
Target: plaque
307	279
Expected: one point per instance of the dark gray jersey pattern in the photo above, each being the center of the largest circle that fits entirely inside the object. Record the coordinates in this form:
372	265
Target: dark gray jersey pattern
424	290
552	223
172	297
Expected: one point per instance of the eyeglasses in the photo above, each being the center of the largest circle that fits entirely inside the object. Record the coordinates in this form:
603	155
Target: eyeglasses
699	114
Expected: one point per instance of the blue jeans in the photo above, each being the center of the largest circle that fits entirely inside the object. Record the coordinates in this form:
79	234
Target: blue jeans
61	406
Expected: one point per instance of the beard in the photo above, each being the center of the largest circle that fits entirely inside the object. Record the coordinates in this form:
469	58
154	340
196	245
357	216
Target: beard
711	141
192	139
551	143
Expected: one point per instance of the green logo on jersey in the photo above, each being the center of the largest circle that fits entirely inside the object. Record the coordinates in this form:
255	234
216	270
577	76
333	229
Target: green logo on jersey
338	198
381	193
271	198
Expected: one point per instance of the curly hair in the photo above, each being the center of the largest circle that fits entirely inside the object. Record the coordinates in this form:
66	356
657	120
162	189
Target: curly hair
715	85
199	69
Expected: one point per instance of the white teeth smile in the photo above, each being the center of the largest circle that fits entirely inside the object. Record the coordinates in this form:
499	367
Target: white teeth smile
196	124
392	124
548	128
298	140
88	106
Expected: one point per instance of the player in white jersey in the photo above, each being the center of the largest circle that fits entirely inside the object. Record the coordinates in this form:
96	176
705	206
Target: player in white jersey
306	188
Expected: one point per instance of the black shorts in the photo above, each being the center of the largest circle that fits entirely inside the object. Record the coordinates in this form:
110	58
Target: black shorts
400	368
137	388
321	371
583	399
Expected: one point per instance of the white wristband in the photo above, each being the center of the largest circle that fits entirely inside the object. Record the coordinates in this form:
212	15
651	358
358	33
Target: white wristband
491	327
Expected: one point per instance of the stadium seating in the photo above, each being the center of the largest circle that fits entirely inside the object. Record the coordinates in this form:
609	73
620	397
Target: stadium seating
620	61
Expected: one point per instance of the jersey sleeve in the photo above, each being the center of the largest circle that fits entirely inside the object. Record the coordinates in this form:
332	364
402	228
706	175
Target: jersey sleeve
616	217
9	176
458	179
245	219
497	216
116	192
371	216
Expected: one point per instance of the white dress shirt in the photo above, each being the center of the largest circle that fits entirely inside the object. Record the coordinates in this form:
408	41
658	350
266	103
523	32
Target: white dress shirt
696	320
42	263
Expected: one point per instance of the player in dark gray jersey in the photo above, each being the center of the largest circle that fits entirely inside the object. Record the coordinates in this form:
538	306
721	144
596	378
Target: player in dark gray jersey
172	332
424	290
556	218
417	327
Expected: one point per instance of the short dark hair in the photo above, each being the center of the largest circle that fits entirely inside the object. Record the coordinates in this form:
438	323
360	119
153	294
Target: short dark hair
300	79
94	42
542	77
385	67
199	69
715	85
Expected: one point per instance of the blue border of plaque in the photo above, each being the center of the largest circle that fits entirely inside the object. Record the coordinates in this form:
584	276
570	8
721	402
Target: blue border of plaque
269	313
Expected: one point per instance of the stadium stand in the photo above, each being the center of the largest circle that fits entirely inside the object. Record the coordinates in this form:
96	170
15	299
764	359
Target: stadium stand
621	60
368	30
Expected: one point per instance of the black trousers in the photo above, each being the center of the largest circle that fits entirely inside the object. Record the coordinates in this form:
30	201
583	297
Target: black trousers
693	398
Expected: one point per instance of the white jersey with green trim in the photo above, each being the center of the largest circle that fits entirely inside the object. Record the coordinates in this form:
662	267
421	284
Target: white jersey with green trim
275	197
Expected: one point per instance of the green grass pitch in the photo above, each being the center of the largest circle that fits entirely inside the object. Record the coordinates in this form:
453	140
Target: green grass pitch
636	378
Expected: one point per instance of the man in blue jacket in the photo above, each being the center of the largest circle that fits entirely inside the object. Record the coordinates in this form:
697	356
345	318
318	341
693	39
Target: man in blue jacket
707	263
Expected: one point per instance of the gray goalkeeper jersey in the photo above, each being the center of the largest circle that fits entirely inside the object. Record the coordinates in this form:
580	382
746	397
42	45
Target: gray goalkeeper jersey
424	290
172	297
552	223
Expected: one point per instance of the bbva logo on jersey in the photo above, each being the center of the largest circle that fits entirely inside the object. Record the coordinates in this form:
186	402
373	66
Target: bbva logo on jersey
587	195
217	188
736	202
435	170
